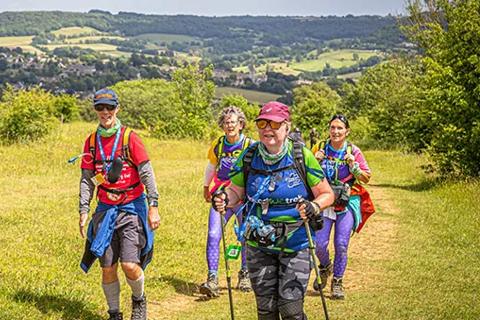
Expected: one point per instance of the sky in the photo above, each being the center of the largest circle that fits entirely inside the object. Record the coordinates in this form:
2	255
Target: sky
217	7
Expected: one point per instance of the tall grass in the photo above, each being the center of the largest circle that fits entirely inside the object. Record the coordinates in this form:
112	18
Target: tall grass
430	270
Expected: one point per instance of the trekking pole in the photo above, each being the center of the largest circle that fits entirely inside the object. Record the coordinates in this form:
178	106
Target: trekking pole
227	269
311	246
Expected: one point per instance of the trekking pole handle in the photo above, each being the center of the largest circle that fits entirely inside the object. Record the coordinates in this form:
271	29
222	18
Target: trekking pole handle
220	201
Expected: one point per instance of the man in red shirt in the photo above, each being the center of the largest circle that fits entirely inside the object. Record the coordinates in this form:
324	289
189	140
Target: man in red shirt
121	228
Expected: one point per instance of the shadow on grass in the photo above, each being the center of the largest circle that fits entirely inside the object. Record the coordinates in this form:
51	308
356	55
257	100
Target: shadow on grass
424	185
181	286
71	309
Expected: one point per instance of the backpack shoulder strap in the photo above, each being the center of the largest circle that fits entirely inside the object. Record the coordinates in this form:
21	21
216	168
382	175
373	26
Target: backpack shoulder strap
92	144
125	146
247	160
349	148
246	143
300	166
322	144
219	147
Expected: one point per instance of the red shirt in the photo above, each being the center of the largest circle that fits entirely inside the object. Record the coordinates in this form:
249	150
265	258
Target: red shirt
129	175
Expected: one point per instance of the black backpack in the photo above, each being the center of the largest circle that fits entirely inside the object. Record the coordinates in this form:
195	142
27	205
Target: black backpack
298	162
300	167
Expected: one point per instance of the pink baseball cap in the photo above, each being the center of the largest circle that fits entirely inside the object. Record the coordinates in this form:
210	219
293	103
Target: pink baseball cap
275	111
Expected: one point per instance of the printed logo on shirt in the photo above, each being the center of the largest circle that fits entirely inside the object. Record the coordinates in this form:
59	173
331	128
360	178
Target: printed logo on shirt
293	180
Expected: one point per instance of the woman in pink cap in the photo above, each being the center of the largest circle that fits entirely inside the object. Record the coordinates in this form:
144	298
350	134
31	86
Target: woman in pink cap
282	185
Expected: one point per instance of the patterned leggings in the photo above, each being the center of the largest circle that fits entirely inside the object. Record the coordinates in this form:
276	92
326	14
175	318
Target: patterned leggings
214	237
341	238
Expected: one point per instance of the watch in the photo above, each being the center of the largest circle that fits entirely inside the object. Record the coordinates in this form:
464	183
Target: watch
153	203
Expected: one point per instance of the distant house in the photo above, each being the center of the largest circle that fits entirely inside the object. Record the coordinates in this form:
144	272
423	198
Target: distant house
240	79
81	69
221	74
300	82
260	78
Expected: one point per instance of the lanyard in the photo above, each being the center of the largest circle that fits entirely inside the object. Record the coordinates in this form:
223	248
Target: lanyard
102	153
332	163
240	230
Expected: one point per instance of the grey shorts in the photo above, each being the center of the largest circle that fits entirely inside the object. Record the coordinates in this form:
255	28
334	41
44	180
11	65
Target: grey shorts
127	242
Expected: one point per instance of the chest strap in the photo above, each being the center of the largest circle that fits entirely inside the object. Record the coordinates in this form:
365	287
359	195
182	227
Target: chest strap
119	191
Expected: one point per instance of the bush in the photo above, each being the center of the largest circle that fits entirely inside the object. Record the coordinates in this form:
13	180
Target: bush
66	108
26	115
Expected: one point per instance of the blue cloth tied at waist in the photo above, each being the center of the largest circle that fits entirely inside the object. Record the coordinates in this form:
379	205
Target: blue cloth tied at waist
97	244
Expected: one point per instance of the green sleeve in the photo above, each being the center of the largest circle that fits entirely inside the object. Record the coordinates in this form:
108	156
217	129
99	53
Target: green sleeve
315	173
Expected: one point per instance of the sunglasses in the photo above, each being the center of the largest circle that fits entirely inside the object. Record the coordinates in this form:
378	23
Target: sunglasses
101	107
342	118
262	124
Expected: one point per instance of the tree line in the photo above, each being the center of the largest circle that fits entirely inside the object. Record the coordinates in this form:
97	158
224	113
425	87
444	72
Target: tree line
425	103
225	34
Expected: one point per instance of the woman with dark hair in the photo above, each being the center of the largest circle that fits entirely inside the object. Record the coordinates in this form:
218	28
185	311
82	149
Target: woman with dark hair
345	167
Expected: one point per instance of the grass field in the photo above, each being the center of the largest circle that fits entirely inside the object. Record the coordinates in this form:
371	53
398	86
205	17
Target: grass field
251	95
23	42
417	258
280	67
165	37
75	31
89	38
100	47
353	75
336	59
15	41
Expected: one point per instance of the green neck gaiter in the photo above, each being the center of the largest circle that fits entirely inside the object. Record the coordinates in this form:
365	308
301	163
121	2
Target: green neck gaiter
269	158
111	131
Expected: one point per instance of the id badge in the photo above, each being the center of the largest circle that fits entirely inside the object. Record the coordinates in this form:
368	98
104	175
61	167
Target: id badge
233	251
98	179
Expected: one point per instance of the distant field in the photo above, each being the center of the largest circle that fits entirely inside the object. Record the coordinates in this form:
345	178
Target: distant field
94	46
23	42
336	59
353	75
165	37
90	38
181	56
280	67
251	95
15	41
72	31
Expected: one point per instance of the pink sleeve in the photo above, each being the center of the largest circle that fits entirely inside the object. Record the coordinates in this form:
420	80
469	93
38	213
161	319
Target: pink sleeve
360	159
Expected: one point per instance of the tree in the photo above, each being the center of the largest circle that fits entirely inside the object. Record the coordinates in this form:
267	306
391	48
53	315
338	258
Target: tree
313	106
196	91
448	32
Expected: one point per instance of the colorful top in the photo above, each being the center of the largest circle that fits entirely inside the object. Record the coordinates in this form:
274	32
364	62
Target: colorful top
282	195
129	174
223	154
334	165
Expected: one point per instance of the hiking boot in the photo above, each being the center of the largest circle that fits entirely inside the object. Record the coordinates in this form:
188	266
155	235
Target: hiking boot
244	284
338	292
325	272
210	287
115	315
139	308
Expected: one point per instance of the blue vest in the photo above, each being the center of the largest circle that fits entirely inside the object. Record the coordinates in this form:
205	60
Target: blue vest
284	191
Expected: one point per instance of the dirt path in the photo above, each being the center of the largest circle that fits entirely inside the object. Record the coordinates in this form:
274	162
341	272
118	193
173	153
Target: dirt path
373	244
168	308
